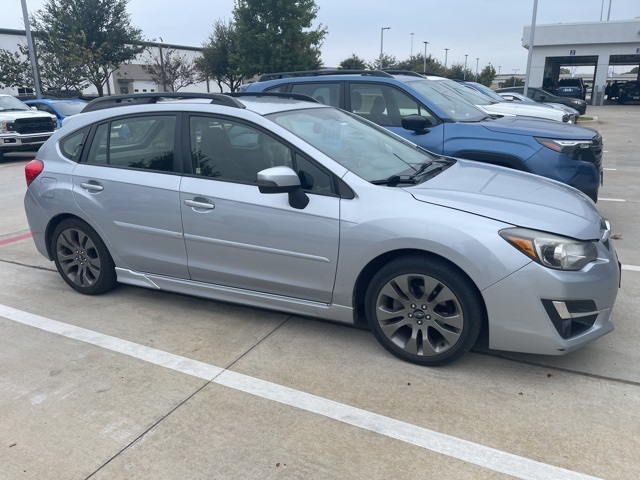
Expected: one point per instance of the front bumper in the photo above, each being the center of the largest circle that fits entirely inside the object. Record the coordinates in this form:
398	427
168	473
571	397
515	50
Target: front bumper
520	317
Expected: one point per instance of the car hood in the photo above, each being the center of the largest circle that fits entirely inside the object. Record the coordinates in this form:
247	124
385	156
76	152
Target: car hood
540	128
15	114
513	197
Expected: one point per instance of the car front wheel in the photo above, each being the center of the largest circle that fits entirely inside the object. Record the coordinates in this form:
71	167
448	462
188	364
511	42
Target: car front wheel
82	259
423	310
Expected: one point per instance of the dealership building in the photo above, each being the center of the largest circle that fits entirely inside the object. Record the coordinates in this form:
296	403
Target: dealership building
601	45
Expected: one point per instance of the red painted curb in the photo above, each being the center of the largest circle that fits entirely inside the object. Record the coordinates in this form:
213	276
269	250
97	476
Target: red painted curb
15	239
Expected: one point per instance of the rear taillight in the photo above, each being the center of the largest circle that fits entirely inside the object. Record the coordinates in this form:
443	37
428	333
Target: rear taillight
32	170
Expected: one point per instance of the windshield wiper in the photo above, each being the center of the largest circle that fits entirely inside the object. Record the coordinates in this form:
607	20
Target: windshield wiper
404	179
422	168
394	180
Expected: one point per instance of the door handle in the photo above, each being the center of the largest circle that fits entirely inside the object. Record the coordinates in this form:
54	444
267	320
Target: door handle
200	205
92	187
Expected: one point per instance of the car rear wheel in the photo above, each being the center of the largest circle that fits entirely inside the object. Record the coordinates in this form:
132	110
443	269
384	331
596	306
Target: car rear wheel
423	310
82	259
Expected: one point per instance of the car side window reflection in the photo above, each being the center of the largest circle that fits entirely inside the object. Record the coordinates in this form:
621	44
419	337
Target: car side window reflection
145	143
233	151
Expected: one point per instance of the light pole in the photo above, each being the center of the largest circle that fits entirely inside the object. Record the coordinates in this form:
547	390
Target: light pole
515	72
412	34
424	67
464	74
477	63
446	53
382	43
499	67
32	56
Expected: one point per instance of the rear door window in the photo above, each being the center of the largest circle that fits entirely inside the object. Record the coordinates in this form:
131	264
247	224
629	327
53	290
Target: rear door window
142	142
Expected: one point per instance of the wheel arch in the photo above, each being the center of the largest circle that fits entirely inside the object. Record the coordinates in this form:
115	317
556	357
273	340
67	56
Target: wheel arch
58	219
367	273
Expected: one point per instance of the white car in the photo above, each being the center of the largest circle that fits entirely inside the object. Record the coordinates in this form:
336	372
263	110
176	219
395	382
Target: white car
491	106
520	98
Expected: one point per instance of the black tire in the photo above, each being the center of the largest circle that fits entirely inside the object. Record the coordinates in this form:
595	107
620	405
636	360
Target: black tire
82	259
424	310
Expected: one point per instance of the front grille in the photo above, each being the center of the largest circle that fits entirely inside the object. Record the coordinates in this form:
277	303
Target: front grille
593	153
26	126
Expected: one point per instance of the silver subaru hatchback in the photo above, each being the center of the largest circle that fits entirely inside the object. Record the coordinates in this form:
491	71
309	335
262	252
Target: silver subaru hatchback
286	204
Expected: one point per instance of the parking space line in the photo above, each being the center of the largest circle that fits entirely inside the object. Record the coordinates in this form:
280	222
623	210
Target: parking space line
611	199
486	457
632	268
17	238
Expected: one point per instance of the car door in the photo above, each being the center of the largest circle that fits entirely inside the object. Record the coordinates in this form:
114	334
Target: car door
238	237
128	184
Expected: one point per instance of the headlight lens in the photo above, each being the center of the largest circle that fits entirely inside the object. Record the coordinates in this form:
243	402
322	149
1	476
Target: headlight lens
552	251
4	127
565	146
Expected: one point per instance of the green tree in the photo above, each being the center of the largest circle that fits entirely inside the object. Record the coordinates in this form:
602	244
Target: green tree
219	59
173	70
417	63
276	36
58	72
487	75
458	72
388	61
565	71
95	35
512	82
16	69
353	63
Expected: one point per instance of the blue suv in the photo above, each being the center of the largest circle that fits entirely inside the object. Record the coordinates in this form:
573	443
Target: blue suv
439	120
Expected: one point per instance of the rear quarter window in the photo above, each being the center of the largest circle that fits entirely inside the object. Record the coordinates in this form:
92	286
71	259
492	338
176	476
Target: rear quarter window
71	146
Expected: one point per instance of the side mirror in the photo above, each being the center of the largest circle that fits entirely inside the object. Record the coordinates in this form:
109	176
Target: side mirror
283	180
415	123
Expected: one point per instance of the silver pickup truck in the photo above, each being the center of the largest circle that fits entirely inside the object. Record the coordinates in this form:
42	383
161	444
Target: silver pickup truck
21	127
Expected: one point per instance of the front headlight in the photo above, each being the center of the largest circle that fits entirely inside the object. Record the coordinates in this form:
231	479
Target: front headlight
552	251
4	127
576	102
568	147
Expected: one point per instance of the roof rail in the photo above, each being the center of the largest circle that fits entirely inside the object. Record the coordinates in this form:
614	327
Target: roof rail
317	73
101	103
293	96
411	73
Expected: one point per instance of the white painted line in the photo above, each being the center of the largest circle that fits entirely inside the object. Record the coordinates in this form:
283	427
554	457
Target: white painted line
486	457
611	199
611	169
632	268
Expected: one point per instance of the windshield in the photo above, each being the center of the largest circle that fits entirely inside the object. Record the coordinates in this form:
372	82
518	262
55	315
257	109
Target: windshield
369	151
70	108
488	92
453	104
467	93
7	102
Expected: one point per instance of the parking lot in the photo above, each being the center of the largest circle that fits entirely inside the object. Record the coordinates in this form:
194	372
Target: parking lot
143	384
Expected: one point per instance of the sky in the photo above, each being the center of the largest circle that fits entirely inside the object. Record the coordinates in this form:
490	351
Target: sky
487	31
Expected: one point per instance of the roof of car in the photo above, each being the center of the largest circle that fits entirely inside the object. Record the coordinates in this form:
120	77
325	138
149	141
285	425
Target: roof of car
225	99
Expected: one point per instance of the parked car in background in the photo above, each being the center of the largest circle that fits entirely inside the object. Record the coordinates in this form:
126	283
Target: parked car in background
21	127
533	109
612	90
544	96
519	97
432	115
61	108
629	92
571	87
292	205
